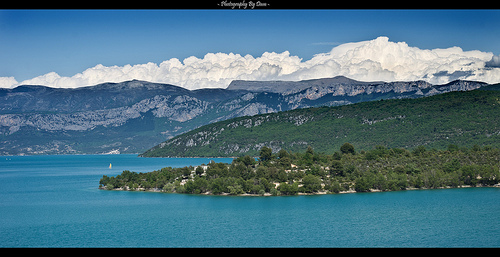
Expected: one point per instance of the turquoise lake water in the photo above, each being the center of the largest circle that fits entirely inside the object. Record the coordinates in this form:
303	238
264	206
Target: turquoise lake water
53	201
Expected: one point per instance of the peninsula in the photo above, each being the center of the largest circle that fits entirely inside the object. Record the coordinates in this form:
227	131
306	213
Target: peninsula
311	172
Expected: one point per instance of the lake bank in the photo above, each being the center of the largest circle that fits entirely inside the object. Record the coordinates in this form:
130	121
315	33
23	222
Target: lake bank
158	190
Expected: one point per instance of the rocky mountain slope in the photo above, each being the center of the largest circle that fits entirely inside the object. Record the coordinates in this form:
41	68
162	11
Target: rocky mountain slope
132	116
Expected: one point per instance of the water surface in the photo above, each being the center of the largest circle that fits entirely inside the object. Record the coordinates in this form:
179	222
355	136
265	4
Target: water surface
53	201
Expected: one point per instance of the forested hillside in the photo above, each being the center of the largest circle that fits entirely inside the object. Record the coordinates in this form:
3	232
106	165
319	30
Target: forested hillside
462	118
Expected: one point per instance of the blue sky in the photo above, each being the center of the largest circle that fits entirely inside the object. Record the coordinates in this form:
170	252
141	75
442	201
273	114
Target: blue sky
36	42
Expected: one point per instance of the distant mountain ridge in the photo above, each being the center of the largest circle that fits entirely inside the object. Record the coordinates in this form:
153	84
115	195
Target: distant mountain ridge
133	116
29	98
287	87
340	86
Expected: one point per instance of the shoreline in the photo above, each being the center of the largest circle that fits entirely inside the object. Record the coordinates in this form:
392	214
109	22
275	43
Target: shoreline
351	191
137	155
210	157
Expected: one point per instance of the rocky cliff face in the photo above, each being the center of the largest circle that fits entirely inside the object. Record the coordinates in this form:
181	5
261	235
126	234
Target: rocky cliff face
180	108
133	116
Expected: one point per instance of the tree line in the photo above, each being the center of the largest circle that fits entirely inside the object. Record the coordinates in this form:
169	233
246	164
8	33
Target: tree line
311	172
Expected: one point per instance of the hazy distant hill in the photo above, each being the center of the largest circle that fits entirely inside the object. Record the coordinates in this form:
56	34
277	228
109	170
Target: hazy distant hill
461	118
132	116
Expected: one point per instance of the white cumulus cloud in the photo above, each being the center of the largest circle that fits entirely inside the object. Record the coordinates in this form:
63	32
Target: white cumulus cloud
374	60
8	82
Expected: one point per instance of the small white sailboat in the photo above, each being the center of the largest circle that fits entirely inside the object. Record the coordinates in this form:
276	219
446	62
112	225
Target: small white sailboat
110	166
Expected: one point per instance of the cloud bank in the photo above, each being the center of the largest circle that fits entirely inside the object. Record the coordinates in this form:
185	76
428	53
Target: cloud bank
374	60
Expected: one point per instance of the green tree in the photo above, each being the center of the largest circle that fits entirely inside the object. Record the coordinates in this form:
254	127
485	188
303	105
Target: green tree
337	169
362	184
104	180
190	187
333	186
274	191
288	189
285	162
247	160
379	181
266	154
169	188
110	186
235	189
179	188
196	186
311	183
199	170
381	151
452	148
283	154
267	185
216	186
396	181
185	171
337	156
451	166
347	148
469	174
419	150
310	150
258	189
370	155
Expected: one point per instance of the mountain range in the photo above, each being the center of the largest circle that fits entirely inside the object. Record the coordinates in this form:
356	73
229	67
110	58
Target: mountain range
133	116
